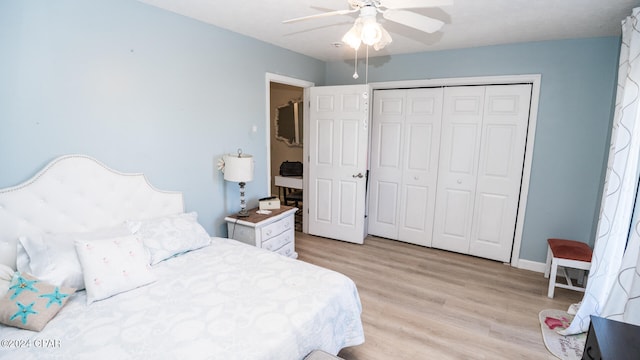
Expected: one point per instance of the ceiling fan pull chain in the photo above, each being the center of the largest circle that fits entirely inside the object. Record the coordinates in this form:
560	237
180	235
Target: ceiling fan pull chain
366	68
355	71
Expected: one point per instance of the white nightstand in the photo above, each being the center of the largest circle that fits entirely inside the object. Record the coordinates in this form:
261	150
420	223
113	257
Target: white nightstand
274	232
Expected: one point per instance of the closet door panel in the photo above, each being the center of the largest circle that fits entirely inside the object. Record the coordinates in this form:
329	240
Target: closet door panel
389	150
387	203
462	150
453	220
420	165
386	162
404	153
491	217
419	140
418	195
504	132
416	206
457	175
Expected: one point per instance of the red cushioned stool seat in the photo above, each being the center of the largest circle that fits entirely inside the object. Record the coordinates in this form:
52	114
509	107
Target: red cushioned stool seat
565	254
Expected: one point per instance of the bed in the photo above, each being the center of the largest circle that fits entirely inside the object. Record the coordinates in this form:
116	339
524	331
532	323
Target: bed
137	277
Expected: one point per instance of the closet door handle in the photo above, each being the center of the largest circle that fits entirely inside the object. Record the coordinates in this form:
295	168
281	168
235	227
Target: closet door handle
359	175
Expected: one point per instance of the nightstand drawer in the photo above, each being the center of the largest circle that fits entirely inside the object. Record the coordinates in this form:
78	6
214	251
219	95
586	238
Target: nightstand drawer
278	241
287	250
277	228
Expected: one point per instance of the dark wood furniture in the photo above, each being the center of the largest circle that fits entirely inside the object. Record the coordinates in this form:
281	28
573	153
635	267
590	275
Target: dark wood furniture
610	339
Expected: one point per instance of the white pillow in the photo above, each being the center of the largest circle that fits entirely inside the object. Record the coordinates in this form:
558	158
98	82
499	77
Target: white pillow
6	275
113	266
170	235
52	257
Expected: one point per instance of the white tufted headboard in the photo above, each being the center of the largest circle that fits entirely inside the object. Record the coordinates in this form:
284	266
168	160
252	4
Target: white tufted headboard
77	193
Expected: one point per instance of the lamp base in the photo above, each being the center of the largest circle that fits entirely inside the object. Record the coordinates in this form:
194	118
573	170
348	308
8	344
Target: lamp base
243	213
243	205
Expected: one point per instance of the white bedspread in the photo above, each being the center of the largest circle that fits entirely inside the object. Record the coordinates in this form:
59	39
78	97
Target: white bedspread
226	301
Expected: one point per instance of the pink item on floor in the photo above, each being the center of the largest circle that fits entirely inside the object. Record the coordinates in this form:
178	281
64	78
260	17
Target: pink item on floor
553	323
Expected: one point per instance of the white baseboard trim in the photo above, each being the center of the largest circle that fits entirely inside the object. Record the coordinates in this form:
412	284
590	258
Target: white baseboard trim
531	265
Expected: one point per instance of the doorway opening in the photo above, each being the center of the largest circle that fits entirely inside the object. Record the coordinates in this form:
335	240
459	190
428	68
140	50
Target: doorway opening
286	133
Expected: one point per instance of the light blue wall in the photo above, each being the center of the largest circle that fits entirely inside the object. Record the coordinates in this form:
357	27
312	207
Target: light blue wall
573	127
139	88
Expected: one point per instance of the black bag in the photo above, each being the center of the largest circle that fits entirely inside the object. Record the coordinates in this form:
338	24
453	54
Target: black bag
291	168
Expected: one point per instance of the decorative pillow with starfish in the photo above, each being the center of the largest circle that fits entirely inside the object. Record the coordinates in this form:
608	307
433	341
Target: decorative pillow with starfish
30	303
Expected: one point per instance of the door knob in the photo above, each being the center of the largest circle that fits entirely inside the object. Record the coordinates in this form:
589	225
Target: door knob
358	176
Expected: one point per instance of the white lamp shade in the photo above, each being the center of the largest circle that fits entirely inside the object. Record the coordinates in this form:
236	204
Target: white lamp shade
352	37
371	31
238	168
384	40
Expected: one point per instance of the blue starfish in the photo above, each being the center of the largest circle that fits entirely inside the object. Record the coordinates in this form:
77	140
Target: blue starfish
23	284
55	297
24	312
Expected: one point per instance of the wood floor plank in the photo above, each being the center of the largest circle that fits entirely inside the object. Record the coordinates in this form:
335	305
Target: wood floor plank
424	303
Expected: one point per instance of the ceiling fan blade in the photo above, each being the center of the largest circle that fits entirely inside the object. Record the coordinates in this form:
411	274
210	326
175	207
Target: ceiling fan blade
411	19
414	4
330	13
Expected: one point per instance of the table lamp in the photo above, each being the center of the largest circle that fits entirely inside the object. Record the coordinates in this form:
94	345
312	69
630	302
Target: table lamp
239	168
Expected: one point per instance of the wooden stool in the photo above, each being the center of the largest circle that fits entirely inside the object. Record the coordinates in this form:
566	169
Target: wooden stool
566	254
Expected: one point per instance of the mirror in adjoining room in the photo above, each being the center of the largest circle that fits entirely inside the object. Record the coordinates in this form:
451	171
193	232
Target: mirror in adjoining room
289	122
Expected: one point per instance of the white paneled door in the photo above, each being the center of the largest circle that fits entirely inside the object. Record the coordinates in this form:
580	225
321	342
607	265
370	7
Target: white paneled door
338	121
483	140
405	138
457	171
504	136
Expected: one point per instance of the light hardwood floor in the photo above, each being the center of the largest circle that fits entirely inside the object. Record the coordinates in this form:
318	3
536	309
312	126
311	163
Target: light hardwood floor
423	303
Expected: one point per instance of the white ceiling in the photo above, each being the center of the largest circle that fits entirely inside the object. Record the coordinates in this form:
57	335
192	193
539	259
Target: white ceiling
468	23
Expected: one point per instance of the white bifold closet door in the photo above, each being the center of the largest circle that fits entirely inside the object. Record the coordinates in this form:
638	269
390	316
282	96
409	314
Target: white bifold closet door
474	180
405	138
483	140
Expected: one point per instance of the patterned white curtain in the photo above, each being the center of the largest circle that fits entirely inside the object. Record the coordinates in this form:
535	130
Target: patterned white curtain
613	287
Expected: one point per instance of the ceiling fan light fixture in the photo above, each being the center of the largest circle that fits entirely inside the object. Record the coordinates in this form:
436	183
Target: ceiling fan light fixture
371	31
367	30
352	37
385	39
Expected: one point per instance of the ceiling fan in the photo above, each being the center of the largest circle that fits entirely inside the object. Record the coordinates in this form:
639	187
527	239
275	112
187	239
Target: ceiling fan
366	28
